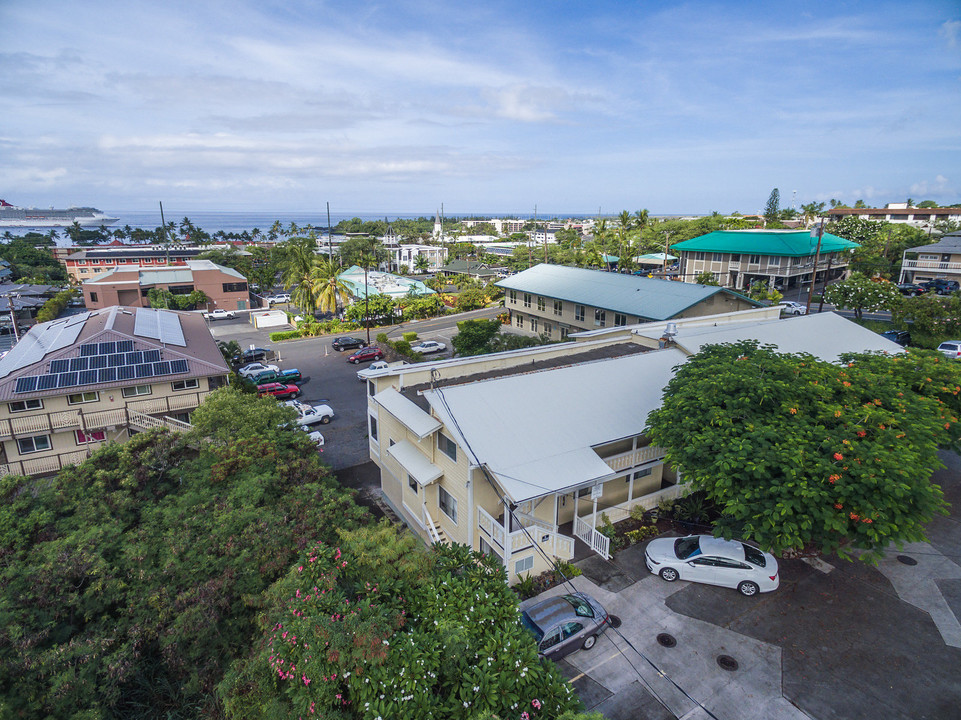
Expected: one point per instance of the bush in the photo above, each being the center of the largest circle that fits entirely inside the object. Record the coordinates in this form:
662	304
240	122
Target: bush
54	306
382	338
285	335
641	534
410	336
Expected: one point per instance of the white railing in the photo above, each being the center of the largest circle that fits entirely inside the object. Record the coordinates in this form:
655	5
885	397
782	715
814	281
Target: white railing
650	501
556	544
635	457
431	528
147	422
598	542
105	419
932	265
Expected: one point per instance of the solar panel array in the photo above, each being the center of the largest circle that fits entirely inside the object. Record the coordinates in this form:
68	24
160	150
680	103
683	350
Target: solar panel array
105	362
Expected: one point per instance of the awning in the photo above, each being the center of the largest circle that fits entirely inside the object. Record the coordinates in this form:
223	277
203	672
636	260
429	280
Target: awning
414	462
417	421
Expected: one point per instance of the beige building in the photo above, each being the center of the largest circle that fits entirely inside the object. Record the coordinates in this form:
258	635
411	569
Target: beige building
557	301
938	261
518	454
71	384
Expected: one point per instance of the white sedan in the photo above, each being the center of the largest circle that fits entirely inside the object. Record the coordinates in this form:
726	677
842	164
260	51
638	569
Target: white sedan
793	308
711	560
255	368
428	347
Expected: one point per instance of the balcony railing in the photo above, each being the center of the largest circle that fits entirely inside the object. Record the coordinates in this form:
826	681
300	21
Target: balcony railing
932	265
635	457
538	533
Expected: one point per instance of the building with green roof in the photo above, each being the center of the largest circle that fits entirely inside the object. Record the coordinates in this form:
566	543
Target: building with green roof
783	259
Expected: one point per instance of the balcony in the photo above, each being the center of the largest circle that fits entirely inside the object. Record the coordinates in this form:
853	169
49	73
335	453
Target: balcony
533	532
932	266
627	460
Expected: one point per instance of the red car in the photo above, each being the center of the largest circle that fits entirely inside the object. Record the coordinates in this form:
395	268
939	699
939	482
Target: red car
366	354
278	390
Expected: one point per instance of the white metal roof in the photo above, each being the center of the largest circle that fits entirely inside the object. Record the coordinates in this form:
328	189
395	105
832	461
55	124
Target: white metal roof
413	461
418	421
535	431
824	335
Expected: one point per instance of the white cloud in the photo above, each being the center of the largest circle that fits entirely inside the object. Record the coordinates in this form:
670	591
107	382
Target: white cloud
950	30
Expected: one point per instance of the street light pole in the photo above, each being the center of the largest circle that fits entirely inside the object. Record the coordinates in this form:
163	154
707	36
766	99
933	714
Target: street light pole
814	270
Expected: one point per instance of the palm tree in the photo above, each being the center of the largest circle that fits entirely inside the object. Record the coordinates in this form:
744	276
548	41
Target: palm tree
421	263
298	270
330	290
624	245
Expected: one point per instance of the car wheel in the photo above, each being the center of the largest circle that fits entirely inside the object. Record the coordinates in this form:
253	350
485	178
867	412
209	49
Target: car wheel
669	574
325	419
589	642
355	361
747	588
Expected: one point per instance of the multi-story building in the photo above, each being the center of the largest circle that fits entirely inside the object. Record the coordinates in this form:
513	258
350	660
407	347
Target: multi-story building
940	260
83	264
899	213
518	454
225	288
782	259
74	383
556	300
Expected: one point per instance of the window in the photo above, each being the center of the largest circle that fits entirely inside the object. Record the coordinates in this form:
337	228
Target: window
519	321
84	397
37	443
235	287
95	436
548	329
447	446
93	297
718	257
736	257
620	320
564	332
81	262
533	324
527	299
411	483
136	390
541	304
755	260
191	384
524	564
600	318
447	503
181	289
513	296
643	473
774	260
24	405
699	256
552	639
373	428
558	307
579	313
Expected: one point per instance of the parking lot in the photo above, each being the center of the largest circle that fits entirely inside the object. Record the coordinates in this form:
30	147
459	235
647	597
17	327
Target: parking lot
837	641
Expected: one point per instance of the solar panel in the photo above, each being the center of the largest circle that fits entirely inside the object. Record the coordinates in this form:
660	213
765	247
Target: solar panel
107	375
79	363
178	366
59	366
26	384
46	382
145	370
107	348
97	362
88	349
88	377
151	356
67	379
125	346
134	358
126	373
161	368
161	325
116	360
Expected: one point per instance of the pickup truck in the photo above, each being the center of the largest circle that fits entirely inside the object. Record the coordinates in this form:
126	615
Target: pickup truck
288	377
376	367
309	415
220	314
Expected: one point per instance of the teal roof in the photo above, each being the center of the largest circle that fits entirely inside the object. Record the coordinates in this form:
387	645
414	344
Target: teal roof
790	243
642	297
381	283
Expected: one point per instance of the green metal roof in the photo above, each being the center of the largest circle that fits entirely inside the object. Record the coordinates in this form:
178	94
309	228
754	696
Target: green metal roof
790	243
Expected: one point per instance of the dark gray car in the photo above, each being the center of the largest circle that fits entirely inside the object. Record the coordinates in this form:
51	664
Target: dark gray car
565	623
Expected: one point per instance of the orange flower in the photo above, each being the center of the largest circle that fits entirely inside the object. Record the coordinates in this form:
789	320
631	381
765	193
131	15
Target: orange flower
835	477
867	520
838	456
861	433
847	384
837	413
853	516
838	506
794	411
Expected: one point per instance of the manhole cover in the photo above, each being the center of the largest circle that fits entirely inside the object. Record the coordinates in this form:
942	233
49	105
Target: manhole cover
907	560
727	663
666	640
614	621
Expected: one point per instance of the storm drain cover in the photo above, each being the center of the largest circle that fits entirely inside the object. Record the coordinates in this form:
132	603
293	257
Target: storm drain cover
907	560
666	640
727	663
615	621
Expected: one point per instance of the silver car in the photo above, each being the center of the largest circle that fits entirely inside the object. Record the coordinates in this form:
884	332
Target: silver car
566	623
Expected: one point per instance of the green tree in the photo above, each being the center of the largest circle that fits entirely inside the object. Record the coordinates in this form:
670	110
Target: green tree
379	308
331	292
772	211
298	272
860	293
375	626
706	278
800	454
421	263
473	336
931	318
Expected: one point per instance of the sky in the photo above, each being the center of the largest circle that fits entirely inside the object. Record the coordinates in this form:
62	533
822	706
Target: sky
486	107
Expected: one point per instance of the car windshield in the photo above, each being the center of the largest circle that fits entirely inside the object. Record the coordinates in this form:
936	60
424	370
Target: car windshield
582	608
753	555
686	547
532	627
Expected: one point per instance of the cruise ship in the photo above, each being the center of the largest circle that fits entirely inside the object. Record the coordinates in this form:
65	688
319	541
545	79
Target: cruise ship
12	216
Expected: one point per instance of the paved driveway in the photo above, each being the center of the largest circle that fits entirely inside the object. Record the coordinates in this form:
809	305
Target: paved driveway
855	642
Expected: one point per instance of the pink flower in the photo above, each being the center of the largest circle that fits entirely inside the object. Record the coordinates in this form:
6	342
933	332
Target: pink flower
536	703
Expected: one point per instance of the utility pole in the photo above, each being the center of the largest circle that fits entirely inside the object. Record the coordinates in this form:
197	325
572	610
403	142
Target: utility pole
330	248
814	270
163	224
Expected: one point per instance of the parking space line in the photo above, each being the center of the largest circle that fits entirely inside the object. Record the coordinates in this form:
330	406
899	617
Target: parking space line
594	667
